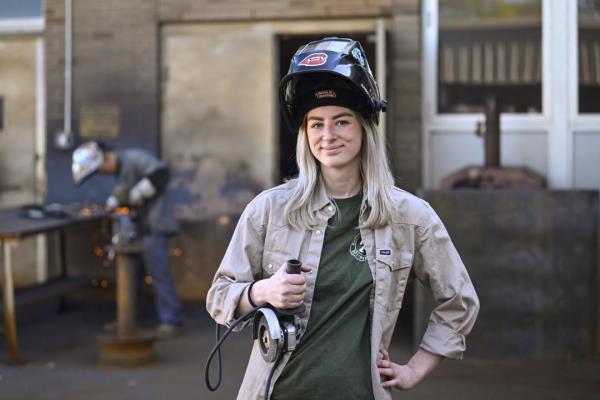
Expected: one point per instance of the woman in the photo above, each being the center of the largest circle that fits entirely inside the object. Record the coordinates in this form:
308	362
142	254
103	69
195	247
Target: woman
358	238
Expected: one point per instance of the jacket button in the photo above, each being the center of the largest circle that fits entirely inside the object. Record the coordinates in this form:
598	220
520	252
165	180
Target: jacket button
318	232
270	266
330	208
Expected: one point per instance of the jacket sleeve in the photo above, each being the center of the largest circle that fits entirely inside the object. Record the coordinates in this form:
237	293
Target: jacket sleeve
439	267
240	265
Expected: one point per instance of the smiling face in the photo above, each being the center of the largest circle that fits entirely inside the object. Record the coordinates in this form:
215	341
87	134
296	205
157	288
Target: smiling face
334	136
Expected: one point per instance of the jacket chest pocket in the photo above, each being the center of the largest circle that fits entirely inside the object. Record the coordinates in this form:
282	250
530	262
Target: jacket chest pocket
272	261
391	277
281	245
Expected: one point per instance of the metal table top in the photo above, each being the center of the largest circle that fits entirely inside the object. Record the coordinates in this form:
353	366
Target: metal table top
15	223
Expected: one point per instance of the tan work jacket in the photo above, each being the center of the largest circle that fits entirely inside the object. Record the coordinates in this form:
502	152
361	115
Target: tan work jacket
416	240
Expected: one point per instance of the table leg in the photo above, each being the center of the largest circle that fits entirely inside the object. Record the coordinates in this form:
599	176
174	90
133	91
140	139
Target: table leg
9	305
62	259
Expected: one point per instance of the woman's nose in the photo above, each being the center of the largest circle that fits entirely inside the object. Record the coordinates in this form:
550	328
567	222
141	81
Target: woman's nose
329	132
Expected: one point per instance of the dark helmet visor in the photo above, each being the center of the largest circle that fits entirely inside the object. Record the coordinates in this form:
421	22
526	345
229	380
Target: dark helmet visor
329	63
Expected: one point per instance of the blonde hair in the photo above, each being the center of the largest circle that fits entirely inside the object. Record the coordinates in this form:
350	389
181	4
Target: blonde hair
377	181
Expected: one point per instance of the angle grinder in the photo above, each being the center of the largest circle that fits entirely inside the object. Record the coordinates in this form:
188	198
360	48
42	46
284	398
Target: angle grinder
278	330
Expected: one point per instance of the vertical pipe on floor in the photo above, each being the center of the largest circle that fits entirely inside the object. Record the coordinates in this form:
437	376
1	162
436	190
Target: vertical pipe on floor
126	267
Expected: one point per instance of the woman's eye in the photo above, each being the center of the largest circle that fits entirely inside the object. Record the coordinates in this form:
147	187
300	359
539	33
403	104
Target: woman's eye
342	122
316	125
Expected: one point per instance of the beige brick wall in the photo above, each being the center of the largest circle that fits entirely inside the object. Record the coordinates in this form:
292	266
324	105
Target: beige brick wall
203	10
404	91
117	62
116	53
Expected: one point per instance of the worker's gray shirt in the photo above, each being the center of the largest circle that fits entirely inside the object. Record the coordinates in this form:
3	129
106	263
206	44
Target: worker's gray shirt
135	165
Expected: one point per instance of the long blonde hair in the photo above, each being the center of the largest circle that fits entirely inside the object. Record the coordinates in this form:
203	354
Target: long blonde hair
377	181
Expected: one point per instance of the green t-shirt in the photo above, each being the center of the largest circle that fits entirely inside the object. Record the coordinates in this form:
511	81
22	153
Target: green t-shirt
332	360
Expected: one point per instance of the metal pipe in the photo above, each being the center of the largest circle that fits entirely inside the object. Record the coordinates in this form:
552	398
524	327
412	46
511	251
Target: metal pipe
68	64
492	132
126	267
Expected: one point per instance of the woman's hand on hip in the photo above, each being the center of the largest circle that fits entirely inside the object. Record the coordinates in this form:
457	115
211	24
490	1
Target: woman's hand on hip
395	375
406	376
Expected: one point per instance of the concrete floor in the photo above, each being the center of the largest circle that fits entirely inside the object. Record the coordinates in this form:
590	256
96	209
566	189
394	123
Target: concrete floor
60	363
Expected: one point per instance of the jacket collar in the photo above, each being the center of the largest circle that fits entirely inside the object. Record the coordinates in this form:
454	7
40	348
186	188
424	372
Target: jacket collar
321	199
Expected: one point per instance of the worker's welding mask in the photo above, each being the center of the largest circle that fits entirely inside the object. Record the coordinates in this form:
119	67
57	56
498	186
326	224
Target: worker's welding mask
87	159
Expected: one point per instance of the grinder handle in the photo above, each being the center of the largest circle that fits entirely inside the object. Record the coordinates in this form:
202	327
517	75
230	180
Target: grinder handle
293	266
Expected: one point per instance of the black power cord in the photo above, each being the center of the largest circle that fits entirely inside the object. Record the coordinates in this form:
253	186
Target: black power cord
275	364
217	350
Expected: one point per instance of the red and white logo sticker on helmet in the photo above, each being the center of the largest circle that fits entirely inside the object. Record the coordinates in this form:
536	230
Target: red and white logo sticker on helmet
314	60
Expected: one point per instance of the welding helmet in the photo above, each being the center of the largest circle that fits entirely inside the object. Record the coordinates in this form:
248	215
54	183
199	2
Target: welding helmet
330	71
87	159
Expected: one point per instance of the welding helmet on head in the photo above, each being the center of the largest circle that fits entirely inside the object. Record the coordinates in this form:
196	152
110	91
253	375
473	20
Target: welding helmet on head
330	71
87	159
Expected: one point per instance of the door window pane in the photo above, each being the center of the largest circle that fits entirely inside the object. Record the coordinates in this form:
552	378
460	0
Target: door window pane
589	56
490	48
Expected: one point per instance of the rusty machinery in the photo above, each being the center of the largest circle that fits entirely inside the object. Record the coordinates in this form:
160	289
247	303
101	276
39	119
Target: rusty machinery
492	175
127	345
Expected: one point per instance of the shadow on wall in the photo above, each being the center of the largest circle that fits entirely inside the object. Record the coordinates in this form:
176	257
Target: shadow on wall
209	186
210	192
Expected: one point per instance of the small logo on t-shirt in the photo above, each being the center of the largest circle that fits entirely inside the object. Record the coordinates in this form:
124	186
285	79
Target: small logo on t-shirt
357	249
385	252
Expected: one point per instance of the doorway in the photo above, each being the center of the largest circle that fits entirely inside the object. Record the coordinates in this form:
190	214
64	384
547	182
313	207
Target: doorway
287	46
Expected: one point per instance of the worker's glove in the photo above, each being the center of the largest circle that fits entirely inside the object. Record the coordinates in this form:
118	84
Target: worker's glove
111	203
142	190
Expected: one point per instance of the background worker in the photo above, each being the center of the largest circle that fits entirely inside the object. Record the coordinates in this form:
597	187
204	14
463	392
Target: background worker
358	237
142	182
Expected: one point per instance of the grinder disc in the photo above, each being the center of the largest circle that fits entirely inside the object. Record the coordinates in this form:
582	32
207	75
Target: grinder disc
268	345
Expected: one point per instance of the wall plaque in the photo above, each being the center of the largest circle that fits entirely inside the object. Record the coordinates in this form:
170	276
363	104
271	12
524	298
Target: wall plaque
100	122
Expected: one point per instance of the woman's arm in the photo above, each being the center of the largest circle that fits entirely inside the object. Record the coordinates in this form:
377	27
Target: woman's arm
408	375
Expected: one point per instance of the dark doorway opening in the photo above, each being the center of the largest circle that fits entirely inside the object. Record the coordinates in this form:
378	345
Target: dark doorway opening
287	46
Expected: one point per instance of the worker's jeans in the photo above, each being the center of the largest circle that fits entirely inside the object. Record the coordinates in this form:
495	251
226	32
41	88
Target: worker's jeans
156	262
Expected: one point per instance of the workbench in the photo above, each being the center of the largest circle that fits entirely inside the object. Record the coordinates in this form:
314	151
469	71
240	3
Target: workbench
15	225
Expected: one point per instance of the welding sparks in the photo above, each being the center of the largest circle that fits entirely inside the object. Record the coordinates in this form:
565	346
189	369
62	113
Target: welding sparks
121	211
223	220
99	251
176	252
